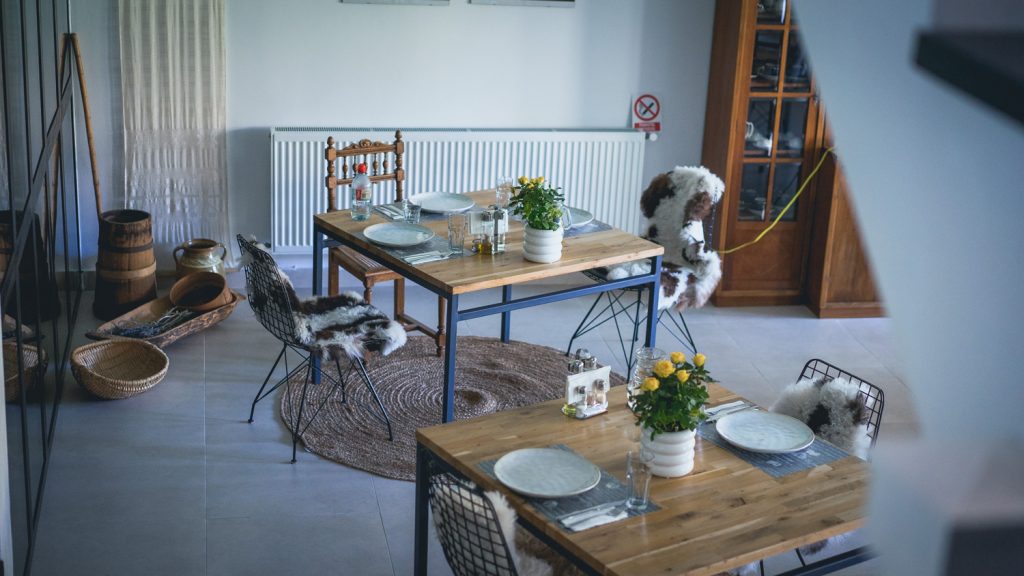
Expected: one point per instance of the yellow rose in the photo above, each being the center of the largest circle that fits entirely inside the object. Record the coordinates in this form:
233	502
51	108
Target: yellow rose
698	360
678	357
523	180
683	376
538	180
664	368
650	384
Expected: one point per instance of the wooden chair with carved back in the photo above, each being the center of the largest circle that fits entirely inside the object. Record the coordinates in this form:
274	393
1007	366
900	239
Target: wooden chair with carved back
383	164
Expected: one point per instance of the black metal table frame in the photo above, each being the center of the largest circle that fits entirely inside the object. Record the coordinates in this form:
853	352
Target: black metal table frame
428	464
323	239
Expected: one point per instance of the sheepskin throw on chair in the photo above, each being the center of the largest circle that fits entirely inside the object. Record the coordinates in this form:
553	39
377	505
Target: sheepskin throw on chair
332	326
675	205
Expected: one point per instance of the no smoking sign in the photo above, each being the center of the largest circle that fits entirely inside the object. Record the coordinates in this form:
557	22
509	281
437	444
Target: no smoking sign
647	113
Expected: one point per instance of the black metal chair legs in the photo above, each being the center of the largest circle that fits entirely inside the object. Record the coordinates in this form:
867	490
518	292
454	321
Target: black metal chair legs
618	303
312	368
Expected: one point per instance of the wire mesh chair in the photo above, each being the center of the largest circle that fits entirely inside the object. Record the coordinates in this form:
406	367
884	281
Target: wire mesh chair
468	529
271	301
629	302
873	397
627	305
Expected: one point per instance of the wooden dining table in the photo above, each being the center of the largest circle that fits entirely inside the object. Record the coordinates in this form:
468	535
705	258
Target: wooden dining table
724	514
455	277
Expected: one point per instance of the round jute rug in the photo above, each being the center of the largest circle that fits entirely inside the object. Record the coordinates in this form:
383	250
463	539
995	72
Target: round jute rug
490	376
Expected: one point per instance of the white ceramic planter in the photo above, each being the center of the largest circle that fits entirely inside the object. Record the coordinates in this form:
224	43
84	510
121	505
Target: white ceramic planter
673	452
544	246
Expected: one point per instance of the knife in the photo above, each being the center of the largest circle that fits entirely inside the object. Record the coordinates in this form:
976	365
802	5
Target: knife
390	211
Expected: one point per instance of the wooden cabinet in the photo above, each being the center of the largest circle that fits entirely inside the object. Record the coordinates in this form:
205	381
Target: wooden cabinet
839	282
764	133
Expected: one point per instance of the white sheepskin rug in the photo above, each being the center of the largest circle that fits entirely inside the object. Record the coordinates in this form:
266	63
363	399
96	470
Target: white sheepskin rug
466	496
675	205
832	408
333	326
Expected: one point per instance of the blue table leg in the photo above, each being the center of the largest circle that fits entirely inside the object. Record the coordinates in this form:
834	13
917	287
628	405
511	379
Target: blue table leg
653	292
448	411
506	317
318	274
420	521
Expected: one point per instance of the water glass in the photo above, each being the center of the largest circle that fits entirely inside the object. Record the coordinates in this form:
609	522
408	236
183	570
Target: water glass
644	359
638	478
412	212
503	191
457	225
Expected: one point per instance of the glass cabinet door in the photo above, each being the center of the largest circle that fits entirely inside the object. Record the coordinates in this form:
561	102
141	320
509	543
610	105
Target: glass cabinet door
798	73
764	72
780	109
759	127
792	127
771	11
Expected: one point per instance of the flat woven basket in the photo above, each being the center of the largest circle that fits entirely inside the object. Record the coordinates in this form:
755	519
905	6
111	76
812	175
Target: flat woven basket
33	359
116	369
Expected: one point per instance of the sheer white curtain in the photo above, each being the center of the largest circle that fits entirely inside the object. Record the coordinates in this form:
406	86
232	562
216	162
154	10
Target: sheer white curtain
173	83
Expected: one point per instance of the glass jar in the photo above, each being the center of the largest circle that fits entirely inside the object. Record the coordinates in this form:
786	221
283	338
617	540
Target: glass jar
644	359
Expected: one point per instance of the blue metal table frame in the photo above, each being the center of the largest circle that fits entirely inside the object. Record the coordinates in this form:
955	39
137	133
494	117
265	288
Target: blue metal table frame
322	239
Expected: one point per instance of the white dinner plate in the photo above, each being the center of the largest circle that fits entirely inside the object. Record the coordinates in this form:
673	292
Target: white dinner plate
397	234
765	432
442	202
580	217
546	472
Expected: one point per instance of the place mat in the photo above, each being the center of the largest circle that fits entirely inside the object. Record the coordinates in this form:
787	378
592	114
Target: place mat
609	489
589	227
436	244
777	465
439	243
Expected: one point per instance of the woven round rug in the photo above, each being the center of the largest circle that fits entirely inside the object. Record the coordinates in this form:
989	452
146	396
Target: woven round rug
490	376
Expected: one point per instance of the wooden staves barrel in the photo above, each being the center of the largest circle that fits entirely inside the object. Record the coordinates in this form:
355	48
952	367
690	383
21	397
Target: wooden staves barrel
126	265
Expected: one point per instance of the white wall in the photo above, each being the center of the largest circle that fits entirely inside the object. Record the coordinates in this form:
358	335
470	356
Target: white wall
938	184
322	62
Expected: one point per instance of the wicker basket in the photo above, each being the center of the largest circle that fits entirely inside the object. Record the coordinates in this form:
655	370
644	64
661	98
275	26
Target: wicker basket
116	369
33	359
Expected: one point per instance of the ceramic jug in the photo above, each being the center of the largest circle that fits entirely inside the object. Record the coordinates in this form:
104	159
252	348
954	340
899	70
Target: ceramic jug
198	255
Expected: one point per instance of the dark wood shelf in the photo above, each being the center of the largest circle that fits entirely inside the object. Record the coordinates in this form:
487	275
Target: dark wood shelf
987	65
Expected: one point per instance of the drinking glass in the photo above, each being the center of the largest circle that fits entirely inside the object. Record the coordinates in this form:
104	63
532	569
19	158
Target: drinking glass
503	191
457	224
412	213
638	478
643	363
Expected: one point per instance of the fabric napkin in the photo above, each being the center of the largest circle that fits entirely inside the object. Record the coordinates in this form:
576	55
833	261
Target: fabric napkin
599	520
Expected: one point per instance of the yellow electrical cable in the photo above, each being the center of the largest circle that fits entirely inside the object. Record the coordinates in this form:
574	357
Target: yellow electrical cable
784	210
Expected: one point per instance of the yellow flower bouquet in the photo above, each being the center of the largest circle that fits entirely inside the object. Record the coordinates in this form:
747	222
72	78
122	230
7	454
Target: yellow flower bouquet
673	395
539	204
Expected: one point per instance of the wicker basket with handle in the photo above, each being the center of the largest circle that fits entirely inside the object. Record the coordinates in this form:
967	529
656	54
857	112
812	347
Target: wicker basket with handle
116	369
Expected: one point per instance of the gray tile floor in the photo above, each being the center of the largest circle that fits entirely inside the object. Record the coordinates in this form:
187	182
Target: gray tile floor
175	481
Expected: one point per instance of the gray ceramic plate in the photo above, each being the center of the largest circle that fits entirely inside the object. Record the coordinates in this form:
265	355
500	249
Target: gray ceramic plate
398	234
765	432
442	202
546	472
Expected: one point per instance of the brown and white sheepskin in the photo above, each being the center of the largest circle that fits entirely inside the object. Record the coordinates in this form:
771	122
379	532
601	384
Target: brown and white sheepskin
330	325
674	205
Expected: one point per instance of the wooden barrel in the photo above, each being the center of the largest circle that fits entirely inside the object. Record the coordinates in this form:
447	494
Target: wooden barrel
125	264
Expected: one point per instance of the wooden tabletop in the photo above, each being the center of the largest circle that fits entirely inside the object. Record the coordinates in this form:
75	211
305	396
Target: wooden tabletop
724	514
472	272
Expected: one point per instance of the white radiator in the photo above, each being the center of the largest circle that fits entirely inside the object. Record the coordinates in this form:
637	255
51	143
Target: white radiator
598	170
